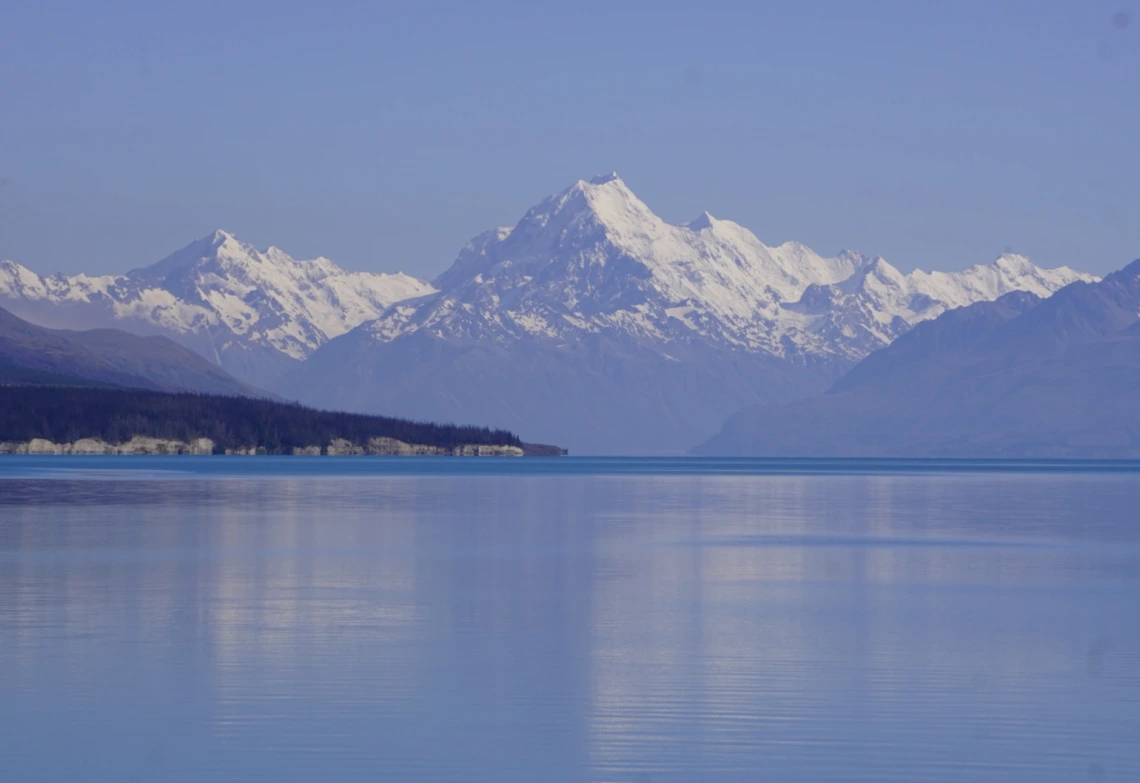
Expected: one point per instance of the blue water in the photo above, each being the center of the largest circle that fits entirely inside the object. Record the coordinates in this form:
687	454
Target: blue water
320	619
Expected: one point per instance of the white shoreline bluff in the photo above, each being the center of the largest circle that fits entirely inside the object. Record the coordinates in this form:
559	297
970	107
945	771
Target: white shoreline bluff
338	447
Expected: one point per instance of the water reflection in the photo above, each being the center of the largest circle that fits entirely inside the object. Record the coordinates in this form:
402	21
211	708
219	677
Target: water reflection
570	627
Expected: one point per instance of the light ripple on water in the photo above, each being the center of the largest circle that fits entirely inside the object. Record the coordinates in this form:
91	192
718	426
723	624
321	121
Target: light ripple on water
590	621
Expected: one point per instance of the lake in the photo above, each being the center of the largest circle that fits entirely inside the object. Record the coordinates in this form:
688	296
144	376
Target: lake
598	620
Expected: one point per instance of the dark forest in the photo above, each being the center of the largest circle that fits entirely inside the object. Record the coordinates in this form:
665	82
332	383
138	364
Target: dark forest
64	415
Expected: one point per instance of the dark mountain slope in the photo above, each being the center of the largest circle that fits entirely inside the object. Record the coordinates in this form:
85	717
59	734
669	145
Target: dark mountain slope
596	324
592	395
1056	378
107	357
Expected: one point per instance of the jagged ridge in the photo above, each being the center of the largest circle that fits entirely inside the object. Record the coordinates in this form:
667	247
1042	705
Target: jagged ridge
594	323
223	297
595	259
590	318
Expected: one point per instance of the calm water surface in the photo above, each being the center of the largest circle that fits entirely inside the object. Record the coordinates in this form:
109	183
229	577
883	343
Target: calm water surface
184	619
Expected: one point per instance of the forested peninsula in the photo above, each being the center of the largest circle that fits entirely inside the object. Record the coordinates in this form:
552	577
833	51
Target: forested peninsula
63	420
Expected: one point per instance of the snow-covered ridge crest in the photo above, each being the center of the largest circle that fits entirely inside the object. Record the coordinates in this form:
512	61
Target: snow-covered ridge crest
878	303
591	263
595	259
224	293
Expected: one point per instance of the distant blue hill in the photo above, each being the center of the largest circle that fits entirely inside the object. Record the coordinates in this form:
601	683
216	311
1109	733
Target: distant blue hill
109	358
1016	377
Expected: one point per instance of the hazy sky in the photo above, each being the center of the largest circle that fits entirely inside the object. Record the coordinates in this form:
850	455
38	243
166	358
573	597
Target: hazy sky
936	134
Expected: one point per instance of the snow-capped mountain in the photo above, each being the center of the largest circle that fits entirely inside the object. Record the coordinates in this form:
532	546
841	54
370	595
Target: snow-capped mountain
254	312
595	259
592	323
878	304
1017	377
595	324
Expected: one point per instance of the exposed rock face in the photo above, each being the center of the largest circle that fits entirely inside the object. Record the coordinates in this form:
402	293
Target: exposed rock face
390	447
339	447
140	444
486	451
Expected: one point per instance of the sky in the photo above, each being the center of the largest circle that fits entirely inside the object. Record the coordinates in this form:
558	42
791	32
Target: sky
384	136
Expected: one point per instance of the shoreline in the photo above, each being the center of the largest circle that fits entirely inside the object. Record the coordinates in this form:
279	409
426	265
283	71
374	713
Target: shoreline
143	445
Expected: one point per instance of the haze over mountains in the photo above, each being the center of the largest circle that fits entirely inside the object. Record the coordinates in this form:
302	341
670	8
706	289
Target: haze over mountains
591	323
1017	377
31	354
594	324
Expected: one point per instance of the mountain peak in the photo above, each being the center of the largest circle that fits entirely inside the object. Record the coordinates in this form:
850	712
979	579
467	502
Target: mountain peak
1017	271
217	244
858	260
604	187
1129	272
605	179
1013	262
605	199
211	243
705	220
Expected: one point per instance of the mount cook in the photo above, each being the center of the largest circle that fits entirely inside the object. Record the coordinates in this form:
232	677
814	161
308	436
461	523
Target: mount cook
592	323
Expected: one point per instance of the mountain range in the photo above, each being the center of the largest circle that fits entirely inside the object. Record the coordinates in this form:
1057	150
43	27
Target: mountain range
256	313
1017	377
595	324
591	323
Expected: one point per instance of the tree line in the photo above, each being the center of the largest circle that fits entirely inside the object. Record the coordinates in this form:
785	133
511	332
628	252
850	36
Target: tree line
66	414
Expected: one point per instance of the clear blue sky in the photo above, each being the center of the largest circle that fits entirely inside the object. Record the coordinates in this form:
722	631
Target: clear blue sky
937	134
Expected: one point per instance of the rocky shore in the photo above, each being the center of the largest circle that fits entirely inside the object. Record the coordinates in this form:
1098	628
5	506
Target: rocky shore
390	447
338	447
136	445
